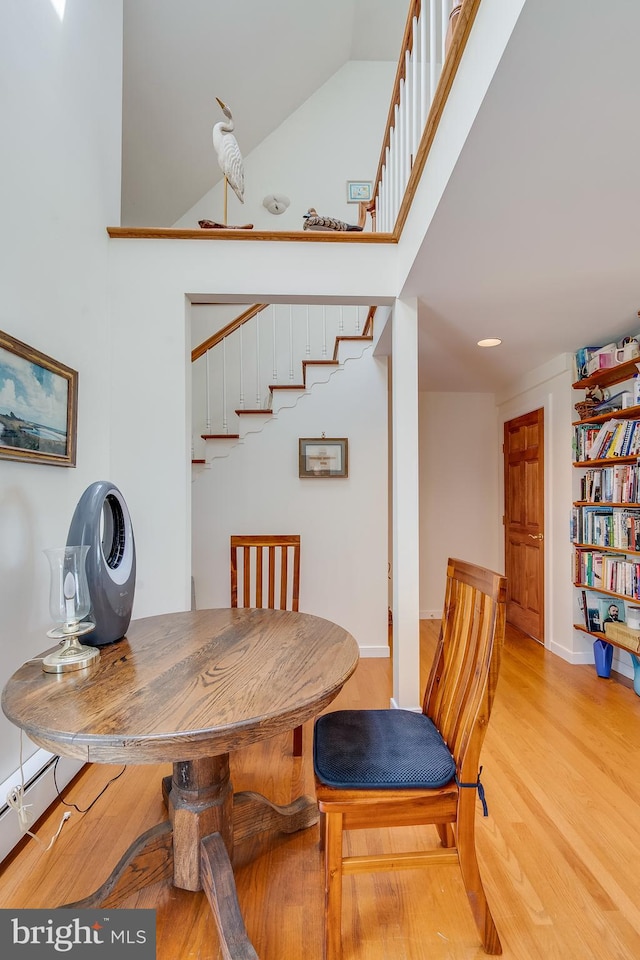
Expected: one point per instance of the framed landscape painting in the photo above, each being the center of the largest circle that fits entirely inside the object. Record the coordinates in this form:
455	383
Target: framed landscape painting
38	406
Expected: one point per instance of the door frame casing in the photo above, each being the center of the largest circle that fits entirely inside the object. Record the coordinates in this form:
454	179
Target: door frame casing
550	387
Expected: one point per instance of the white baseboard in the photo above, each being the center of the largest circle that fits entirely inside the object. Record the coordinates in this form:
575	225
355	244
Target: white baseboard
39	793
377	651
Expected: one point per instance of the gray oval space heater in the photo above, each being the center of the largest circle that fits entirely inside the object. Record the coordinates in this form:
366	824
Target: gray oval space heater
101	520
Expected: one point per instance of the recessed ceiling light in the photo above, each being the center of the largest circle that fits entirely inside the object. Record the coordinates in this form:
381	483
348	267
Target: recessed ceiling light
489	342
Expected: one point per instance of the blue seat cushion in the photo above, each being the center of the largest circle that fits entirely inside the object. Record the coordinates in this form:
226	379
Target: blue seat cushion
360	749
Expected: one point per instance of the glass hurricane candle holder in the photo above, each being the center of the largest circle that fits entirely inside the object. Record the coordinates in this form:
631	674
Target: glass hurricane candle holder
69	604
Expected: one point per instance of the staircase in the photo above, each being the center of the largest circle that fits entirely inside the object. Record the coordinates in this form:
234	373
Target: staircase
263	362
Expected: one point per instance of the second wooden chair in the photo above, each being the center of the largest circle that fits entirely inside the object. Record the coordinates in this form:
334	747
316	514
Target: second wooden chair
265	573
394	768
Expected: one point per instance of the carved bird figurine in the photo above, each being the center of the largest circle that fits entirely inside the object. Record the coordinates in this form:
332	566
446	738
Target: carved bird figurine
229	156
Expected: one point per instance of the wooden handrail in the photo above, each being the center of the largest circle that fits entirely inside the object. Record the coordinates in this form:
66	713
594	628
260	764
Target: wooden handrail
367	329
285	236
211	341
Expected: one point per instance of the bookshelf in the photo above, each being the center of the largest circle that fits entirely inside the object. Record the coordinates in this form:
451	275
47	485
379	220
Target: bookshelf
605	522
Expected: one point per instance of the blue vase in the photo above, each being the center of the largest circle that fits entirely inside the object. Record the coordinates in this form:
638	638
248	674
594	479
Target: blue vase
635	661
603	653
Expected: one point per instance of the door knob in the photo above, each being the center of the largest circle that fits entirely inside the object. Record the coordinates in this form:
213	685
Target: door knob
537	536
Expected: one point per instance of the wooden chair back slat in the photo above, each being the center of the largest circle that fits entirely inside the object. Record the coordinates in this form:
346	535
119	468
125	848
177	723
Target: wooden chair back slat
263	577
461	686
274	551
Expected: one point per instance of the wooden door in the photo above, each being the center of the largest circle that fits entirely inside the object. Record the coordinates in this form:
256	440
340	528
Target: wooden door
524	522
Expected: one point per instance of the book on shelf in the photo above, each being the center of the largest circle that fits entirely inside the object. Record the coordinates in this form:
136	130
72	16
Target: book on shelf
594	623
582	603
602	440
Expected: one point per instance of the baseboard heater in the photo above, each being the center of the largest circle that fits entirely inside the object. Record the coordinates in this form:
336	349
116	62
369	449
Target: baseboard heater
39	792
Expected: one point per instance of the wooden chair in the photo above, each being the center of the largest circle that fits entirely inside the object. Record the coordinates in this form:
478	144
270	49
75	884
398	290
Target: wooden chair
385	768
260	578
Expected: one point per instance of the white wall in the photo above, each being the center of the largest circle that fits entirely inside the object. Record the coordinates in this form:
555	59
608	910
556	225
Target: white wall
333	137
460	504
60	94
342	522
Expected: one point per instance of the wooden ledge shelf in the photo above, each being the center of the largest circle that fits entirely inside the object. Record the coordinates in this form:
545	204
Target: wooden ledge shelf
220	436
288	236
601	548
625	413
266	413
606	637
606	462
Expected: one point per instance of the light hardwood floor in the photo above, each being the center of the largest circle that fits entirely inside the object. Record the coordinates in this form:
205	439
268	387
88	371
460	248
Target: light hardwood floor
560	850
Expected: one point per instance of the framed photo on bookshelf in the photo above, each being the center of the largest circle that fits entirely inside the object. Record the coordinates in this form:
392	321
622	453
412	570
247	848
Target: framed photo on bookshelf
611	609
601	610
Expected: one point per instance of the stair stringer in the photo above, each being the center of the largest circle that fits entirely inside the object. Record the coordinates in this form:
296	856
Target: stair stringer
321	373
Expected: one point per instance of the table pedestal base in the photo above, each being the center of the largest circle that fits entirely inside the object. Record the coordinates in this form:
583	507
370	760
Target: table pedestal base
195	847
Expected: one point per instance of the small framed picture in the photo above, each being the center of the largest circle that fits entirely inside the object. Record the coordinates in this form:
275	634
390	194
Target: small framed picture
323	458
611	610
359	190
38	406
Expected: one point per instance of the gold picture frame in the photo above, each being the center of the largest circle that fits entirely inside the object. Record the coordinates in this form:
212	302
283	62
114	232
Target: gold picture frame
320	457
38	406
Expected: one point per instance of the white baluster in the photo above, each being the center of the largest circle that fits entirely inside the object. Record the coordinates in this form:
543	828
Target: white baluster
225	425
446	10
290	343
408	112
395	160
392	179
275	356
341	321
307	350
387	192
357	321
433	45
258	397
425	102
415	90
324	331
401	140
241	401
208	423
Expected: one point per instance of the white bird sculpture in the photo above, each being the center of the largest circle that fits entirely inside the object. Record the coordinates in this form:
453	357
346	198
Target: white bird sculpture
229	156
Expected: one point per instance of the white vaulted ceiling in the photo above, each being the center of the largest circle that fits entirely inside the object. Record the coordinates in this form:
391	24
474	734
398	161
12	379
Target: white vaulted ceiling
535	238
265	57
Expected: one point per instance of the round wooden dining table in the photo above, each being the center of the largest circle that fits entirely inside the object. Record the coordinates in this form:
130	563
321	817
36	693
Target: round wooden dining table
190	688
